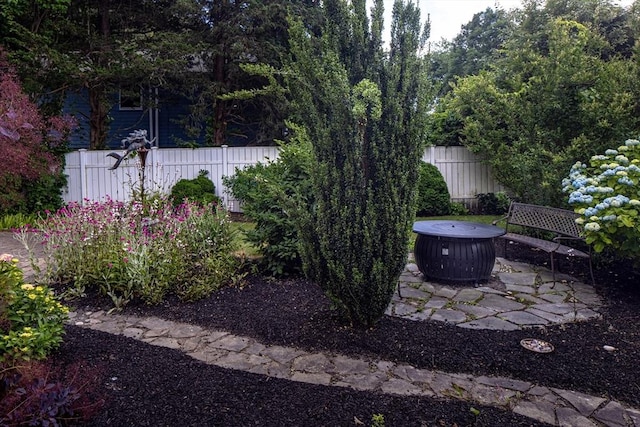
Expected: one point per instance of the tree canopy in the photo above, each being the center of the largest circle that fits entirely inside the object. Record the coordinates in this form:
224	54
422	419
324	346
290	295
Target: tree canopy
193	49
561	87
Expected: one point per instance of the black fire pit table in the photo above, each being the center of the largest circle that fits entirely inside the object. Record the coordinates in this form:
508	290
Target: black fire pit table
456	251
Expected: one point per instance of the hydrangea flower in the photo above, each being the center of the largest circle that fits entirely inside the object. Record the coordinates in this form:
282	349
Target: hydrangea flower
625	181
605	195
592	226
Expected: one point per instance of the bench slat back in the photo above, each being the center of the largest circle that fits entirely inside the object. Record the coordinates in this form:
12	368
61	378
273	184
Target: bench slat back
556	220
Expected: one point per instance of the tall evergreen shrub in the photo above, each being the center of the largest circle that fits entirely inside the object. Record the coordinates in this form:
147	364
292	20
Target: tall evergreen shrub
364	112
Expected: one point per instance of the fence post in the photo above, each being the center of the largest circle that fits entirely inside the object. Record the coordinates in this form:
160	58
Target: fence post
155	179
84	193
225	172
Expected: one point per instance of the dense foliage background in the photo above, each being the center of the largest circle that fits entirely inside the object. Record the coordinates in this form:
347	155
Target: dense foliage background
537	89
532	90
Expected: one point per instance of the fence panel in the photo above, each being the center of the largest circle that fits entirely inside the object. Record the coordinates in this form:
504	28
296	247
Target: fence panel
464	172
89	176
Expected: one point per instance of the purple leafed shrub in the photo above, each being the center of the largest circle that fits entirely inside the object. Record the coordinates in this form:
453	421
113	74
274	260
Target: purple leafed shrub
35	393
28	140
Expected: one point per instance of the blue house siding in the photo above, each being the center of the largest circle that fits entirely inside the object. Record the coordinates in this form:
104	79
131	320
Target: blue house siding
159	123
169	131
78	106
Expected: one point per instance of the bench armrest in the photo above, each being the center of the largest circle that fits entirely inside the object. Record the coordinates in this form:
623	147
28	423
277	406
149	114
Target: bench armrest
495	221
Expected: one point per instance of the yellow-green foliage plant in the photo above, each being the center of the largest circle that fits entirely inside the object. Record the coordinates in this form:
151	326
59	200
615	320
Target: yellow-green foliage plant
32	323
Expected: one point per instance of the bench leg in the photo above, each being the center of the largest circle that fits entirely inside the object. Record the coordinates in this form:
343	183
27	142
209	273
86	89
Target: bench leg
553	268
593	281
505	248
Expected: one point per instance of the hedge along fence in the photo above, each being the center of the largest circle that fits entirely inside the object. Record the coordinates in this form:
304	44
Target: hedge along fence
90	177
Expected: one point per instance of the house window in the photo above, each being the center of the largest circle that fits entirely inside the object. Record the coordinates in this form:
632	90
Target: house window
130	98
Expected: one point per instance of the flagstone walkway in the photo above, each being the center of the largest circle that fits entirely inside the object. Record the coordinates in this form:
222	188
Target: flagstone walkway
551	405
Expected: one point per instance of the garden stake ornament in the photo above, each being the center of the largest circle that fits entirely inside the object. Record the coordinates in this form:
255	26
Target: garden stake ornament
136	141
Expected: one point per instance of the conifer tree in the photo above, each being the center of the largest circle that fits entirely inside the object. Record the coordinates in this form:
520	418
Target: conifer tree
364	113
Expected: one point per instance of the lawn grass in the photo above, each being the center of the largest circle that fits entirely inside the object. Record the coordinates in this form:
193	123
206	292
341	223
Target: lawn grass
245	247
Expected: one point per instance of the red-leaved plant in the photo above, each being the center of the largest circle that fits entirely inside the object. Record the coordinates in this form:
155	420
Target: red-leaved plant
27	139
46	394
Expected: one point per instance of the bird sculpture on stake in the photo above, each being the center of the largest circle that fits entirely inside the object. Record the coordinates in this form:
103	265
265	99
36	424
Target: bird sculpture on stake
136	142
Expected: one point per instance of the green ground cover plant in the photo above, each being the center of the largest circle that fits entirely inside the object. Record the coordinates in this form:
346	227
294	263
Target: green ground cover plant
13	221
32	318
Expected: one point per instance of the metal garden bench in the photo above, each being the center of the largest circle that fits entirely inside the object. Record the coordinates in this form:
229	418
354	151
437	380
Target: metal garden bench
560	222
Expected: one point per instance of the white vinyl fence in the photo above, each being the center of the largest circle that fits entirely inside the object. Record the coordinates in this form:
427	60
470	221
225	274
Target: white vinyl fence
89	177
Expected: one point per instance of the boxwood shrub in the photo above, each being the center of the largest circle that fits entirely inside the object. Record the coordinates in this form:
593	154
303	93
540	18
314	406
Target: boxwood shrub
433	197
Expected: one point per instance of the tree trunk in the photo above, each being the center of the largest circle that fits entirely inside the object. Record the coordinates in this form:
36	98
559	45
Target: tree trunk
220	107
97	96
97	118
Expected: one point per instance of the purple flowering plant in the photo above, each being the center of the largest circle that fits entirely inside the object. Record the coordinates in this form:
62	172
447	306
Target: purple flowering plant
606	193
128	250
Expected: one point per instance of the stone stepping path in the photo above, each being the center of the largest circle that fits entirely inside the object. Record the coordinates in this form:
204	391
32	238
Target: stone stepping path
554	406
520	296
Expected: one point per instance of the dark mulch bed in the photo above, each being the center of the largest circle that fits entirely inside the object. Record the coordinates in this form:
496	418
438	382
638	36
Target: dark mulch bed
146	385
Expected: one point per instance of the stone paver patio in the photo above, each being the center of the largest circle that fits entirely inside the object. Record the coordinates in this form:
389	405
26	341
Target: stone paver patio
520	296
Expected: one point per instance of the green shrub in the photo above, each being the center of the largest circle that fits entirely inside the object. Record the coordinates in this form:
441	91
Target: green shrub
267	192
458	208
433	197
32	324
493	203
200	189
606	193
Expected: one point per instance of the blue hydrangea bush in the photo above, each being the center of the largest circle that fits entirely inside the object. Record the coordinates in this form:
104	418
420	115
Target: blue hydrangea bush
606	193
